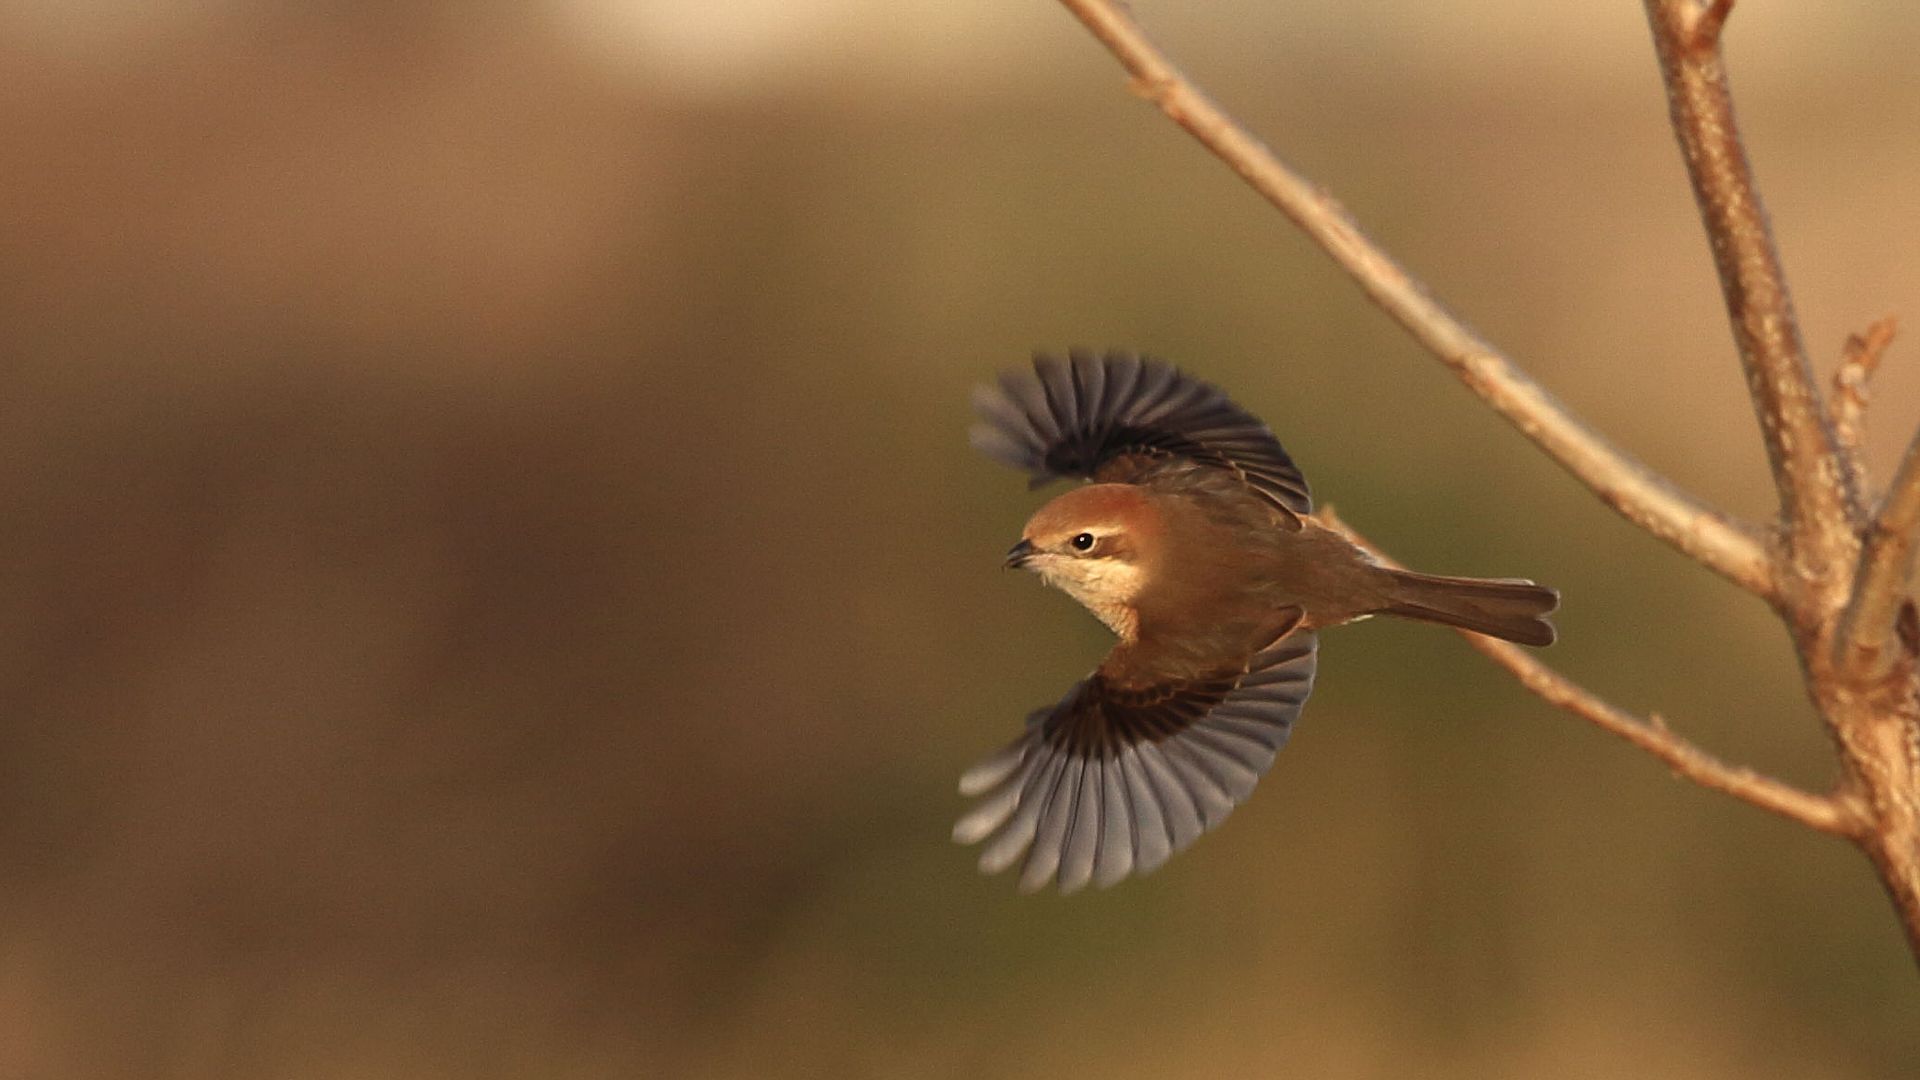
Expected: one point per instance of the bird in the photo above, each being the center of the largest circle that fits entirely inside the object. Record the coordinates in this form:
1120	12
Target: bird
1193	538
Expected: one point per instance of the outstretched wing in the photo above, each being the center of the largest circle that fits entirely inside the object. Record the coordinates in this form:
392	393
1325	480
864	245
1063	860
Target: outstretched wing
1112	781
1119	416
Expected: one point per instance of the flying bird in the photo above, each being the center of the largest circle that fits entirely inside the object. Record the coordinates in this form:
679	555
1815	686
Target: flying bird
1195	543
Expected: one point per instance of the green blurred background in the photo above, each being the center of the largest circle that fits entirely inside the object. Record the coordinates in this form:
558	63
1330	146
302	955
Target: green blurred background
493	582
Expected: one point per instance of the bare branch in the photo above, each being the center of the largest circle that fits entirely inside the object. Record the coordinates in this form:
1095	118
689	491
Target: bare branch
1704	34
1813	481
1858	360
1630	487
1866	642
1823	812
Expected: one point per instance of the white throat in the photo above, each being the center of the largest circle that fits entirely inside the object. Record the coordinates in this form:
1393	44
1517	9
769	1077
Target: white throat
1106	587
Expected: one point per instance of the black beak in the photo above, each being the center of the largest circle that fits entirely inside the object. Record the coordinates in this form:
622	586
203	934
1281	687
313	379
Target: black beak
1018	554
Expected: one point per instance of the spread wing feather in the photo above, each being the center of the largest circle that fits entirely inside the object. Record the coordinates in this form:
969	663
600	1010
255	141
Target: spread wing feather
1118	416
1113	780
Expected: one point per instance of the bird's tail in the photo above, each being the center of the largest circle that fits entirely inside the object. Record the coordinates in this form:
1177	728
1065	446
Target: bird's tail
1510	608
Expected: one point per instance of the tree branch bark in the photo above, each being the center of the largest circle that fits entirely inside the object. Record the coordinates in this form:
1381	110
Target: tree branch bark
1866	644
1815	484
1628	486
1858	361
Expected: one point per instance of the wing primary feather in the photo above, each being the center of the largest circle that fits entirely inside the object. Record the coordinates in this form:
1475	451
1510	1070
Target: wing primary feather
1083	832
998	445
1279	665
1043	858
1184	821
1234	777
1030	398
1156	376
1056	386
1269	734
1178	398
1153	844
996	766
995	806
1241	747
1090	385
1119	832
1209	794
1001	411
1011	840
988	814
1123	380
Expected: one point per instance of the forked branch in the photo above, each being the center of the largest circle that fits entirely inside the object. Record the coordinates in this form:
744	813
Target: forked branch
1635	491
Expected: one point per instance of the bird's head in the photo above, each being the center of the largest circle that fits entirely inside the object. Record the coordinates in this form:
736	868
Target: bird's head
1094	543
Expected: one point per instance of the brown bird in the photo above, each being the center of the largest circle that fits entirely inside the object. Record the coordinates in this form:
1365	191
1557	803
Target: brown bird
1196	544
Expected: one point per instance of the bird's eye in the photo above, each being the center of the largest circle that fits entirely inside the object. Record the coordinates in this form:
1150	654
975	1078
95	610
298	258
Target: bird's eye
1082	542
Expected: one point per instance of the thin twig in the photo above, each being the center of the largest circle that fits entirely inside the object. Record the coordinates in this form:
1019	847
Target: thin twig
1858	360
1705	31
1866	642
1627	485
1813	481
1823	812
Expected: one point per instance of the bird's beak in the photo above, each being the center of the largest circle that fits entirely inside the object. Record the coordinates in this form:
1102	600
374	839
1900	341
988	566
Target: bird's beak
1018	554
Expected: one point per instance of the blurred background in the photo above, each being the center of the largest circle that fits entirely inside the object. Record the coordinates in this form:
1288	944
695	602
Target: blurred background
493	582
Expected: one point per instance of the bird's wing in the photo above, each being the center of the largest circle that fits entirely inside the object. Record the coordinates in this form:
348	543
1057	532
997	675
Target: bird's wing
1120	417
1113	780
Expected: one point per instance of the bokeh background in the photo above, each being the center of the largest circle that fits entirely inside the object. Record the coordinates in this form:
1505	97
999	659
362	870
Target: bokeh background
492	580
